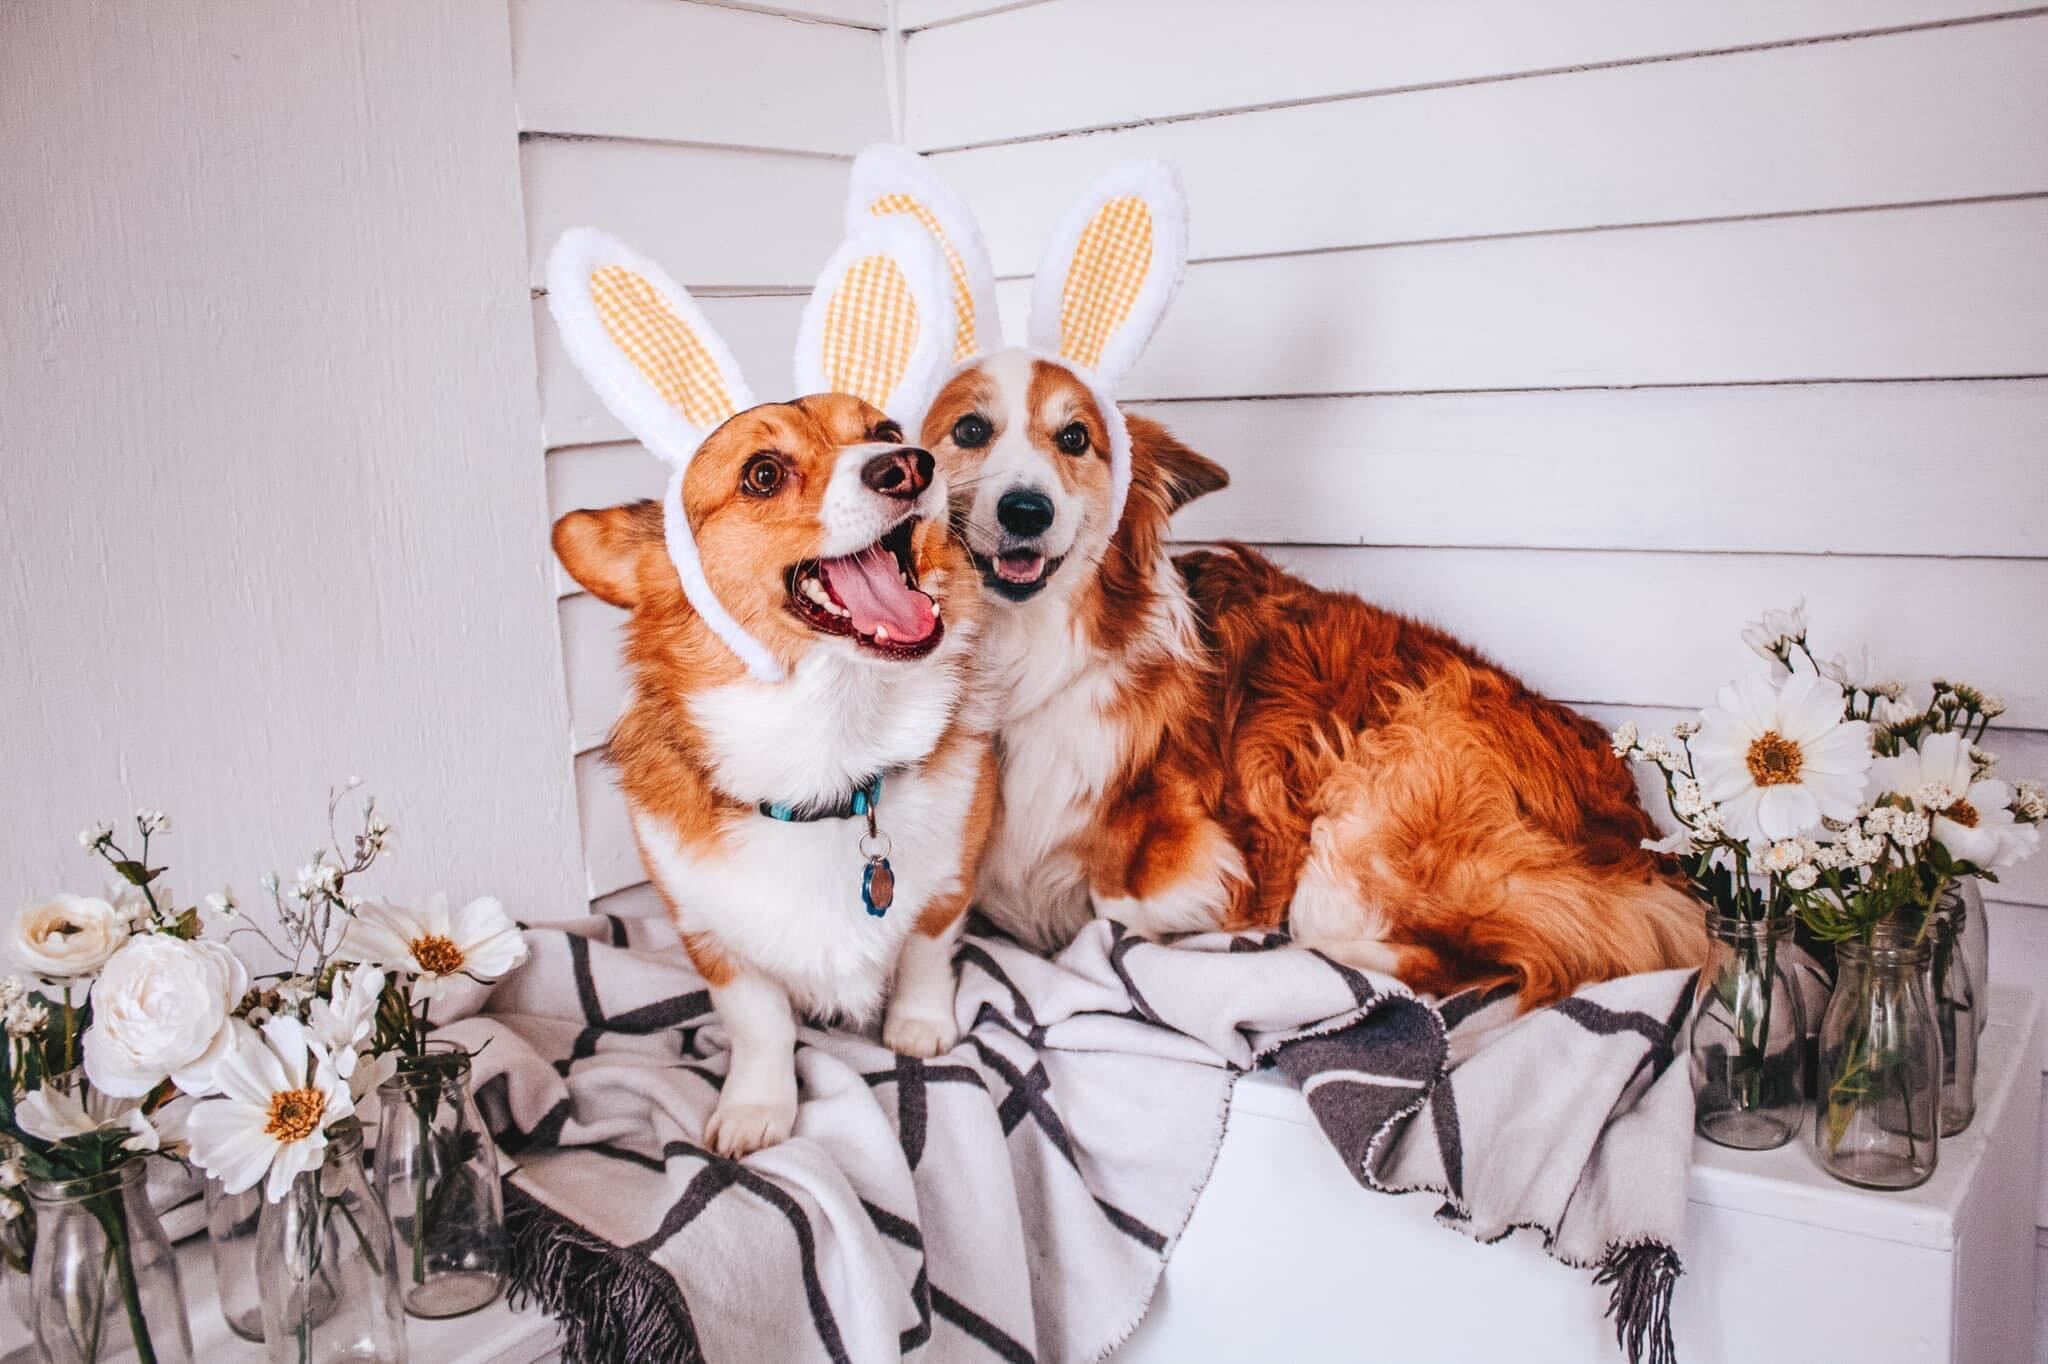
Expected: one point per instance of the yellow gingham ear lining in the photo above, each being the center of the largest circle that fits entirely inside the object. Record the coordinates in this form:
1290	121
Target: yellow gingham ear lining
1110	263
963	295
870	330
661	346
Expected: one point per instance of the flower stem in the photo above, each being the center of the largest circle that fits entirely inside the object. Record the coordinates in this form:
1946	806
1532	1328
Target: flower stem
113	1219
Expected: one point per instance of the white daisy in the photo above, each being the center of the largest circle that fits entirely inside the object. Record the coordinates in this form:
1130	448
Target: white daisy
279	1096
479	940
1774	635
1972	818
1778	758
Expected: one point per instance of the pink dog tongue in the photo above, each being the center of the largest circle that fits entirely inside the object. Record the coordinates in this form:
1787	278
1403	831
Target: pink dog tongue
871	588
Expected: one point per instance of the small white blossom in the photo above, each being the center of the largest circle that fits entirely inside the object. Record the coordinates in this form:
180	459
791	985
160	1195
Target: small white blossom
95	834
1911	828
11	1173
1831	857
2030	801
1849	673
1934	795
316	878
1783	855
1982	761
1624	738
152	821
12	990
223	902
1659	749
1992	706
1685	729
24	1019
270	882
1877	820
1802	877
293	991
1687	800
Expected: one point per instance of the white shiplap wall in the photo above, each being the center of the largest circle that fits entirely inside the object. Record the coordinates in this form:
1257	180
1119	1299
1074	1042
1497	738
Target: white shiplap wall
1586	329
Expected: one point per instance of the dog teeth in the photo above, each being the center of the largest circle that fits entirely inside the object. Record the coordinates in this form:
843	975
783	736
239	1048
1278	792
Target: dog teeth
881	632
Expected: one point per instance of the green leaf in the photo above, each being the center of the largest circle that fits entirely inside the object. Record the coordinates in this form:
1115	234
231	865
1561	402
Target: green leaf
188	925
135	873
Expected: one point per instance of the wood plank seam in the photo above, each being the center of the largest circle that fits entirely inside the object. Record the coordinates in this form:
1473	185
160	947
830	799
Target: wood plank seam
1263	106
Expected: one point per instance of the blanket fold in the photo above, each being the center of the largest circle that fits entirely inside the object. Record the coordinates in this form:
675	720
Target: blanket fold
1017	1198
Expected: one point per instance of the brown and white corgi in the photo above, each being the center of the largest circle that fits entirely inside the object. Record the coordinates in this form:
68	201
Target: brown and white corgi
1210	742
804	757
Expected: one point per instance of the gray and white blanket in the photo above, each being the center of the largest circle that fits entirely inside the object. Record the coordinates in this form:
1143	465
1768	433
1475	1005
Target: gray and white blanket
1017	1198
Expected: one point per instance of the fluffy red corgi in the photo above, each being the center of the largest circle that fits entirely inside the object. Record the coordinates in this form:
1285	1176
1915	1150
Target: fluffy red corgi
809	775
1210	742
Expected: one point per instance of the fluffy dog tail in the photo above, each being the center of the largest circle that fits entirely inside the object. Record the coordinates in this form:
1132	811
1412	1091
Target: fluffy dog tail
1485	841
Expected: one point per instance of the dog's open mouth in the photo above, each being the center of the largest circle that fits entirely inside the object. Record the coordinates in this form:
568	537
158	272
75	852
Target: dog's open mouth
871	597
1016	573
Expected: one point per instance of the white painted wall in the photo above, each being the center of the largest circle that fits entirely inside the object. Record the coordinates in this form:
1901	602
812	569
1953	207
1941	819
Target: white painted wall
275	512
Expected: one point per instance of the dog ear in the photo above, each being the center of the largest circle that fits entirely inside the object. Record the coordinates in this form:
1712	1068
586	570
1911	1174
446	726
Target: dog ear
889	180
643	344
606	550
1110	269
1180	474
879	325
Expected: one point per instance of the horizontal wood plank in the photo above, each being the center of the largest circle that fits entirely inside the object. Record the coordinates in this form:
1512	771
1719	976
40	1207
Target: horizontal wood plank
1959	290
609	857
912	15
858	13
673	71
708	215
1074	64
1742	469
1904	118
761	329
1663	629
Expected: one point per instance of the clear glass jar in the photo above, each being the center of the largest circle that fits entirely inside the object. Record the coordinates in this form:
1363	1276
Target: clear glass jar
231	1240
1954	991
105	1279
1976	940
1748	1039
437	1176
330	1284
1877	1100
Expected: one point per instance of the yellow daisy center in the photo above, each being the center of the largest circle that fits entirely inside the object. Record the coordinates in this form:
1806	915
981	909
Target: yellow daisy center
1963	813
1774	760
295	1114
437	956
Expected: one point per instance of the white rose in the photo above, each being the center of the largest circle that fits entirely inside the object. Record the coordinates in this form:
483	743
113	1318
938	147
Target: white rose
160	1010
68	936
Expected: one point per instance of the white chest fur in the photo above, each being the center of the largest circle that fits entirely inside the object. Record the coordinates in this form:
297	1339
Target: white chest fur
784	898
1059	747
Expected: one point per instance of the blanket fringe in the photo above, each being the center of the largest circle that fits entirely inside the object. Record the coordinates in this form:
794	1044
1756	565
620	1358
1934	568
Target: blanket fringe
1644	1277
612	1304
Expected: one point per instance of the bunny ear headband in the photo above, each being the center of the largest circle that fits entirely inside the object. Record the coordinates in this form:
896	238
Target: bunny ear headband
1109	270
879	325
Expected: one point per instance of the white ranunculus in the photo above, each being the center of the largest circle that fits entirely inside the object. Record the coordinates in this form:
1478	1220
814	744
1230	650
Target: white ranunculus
1780	758
68	936
160	1011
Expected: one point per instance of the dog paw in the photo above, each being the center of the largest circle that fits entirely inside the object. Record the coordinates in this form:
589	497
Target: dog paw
740	1129
918	1035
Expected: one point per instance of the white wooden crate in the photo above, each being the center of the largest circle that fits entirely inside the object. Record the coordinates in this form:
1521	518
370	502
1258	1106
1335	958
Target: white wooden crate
1287	1257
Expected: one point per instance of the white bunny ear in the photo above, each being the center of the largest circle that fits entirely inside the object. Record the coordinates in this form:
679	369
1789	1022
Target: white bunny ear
879	325
889	180
1110	270
643	344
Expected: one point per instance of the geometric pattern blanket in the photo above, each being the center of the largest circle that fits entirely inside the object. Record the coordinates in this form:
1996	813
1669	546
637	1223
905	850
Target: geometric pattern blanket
1017	1198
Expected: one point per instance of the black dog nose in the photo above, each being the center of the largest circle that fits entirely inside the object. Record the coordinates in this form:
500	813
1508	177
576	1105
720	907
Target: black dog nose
901	474
1024	512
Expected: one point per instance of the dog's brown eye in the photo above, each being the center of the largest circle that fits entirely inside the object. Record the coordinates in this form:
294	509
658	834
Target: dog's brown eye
972	431
1072	438
887	431
762	476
